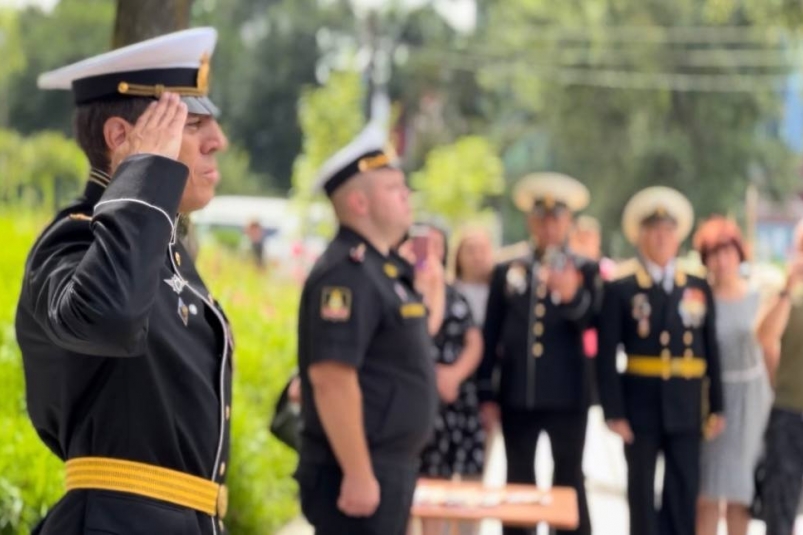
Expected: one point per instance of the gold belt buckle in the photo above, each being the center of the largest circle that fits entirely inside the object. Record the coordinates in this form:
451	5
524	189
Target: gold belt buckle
222	501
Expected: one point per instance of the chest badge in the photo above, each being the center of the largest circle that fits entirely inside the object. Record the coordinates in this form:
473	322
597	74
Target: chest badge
516	279
336	303
693	308
390	270
401	292
357	254
641	313
185	311
176	283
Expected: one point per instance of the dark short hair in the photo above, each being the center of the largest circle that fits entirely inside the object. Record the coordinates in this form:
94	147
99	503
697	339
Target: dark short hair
88	121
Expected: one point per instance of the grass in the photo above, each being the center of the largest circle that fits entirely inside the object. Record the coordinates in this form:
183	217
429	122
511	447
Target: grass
262	311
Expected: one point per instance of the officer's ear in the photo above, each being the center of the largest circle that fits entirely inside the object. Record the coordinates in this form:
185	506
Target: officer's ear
359	201
115	132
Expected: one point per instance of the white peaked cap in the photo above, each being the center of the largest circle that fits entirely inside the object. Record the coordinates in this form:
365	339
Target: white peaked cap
177	62
365	152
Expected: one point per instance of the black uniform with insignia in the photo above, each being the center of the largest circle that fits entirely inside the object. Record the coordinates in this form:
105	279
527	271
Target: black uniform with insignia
534	366
359	308
127	357
664	319
672	378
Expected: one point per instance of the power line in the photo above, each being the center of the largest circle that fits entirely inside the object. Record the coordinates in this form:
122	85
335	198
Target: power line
612	78
665	34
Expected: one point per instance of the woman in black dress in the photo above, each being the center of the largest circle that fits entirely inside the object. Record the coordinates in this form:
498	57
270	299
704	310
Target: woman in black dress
458	444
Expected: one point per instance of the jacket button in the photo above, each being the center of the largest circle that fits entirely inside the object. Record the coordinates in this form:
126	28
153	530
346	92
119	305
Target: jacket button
665	338
222	470
228	412
541	293
538	350
540	310
178	258
538	329
688	338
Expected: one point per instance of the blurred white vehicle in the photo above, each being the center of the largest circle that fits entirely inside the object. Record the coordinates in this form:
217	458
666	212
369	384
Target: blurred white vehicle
288	232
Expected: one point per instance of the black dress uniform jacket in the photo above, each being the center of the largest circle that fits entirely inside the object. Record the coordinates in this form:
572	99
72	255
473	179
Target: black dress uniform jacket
536	343
380	329
359	308
126	354
650	322
664	393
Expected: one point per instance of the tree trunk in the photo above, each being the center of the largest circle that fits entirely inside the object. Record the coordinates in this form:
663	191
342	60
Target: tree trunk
138	20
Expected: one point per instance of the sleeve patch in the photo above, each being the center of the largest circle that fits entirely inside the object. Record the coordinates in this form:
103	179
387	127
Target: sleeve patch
336	303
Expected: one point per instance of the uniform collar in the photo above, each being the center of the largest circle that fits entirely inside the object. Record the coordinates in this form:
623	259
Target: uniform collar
659	273
96	184
538	251
354	238
650	273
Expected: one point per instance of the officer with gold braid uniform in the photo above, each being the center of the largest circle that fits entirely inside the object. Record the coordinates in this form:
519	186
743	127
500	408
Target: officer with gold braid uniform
664	318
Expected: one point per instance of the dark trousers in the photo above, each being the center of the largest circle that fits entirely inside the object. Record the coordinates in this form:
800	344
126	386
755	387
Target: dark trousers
102	512
567	435
784	471
319	486
681	483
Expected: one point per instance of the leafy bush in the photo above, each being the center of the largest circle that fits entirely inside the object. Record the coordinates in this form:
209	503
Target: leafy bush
30	476
263	314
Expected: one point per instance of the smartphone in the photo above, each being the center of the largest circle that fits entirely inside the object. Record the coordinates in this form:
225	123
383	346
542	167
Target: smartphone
419	235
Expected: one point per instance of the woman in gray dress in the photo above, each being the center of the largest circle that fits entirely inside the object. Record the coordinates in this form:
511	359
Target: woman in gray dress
728	462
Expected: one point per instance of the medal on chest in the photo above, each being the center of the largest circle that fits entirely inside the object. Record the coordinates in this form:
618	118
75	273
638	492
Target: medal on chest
185	311
516	279
642	310
692	308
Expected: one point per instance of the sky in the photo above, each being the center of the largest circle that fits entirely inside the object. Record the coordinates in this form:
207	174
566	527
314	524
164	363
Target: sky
460	14
46	4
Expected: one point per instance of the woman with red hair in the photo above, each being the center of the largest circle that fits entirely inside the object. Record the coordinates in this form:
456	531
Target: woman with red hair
728	462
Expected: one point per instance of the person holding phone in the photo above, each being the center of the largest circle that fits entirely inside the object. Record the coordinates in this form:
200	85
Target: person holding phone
456	448
781	337
533	374
670	394
128	358
368	390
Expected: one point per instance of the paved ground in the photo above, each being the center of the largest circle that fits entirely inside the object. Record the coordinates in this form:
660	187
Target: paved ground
605	473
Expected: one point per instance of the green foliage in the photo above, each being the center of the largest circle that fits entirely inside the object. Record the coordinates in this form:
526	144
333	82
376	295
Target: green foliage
612	95
30	476
46	169
458	178
263	314
237	178
330	117
267	52
13	56
74	30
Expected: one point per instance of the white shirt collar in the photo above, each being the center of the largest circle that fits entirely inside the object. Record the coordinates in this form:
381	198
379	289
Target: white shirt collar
659	274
